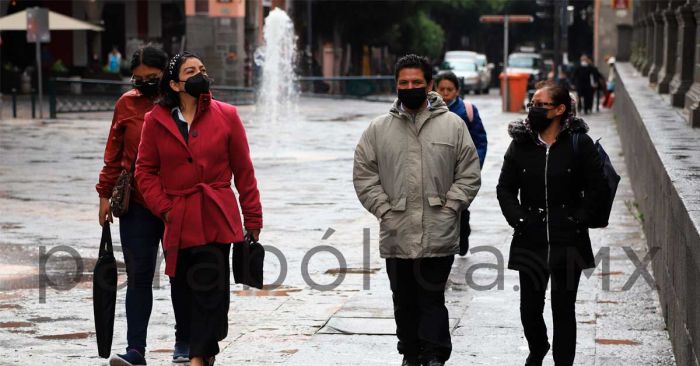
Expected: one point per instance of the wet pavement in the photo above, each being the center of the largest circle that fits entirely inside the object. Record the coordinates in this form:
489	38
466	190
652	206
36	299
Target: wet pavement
304	169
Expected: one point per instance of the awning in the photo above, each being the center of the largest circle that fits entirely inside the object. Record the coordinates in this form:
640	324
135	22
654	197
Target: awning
18	22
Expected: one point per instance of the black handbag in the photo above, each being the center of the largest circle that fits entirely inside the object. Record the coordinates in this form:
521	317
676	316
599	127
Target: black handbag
104	293
247	261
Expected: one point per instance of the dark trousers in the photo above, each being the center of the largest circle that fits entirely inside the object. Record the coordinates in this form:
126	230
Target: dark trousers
202	282
532	293
464	231
140	234
585	100
422	324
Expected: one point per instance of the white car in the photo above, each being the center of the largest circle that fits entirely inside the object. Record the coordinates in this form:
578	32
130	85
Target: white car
467	72
529	63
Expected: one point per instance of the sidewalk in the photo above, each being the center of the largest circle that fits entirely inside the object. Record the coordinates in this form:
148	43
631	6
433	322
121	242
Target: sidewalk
615	327
304	169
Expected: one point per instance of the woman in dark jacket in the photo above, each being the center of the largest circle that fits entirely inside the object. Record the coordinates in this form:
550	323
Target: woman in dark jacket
139	230
548	193
191	147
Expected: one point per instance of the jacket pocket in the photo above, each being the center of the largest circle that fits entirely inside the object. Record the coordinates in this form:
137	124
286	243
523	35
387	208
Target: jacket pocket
440	159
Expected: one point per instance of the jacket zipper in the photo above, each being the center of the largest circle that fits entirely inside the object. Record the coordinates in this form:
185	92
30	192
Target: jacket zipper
546	198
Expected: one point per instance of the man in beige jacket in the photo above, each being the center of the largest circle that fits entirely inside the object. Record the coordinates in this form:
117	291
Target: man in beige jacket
415	169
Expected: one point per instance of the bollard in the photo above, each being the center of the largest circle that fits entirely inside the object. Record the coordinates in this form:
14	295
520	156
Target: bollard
14	103
52	98
33	104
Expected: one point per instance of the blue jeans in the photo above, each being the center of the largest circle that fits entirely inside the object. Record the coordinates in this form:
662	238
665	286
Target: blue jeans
140	233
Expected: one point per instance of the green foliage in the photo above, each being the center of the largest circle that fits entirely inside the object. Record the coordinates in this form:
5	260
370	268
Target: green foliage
419	34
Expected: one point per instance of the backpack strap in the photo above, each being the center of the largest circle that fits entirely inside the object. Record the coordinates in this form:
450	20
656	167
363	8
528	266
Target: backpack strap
574	143
470	110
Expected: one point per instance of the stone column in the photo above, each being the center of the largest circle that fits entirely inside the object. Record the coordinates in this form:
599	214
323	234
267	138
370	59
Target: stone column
670	44
657	53
648	44
692	99
640	37
685	54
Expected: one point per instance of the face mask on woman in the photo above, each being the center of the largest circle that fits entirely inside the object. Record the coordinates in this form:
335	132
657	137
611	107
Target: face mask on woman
537	118
197	85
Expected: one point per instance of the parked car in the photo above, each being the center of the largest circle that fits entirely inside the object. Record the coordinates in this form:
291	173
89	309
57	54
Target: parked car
467	72
530	63
459	55
485	69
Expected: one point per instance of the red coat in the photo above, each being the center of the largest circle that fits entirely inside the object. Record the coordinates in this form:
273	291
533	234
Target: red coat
123	140
192	181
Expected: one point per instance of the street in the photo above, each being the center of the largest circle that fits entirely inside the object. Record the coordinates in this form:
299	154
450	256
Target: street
304	171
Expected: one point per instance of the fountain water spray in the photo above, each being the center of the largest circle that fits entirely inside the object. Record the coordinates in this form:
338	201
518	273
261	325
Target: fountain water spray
278	93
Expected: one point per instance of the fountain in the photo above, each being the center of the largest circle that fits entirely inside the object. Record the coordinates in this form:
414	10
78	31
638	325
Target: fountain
277	93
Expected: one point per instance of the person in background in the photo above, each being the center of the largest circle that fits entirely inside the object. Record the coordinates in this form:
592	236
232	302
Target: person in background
114	60
139	230
191	148
416	169
610	84
587	82
447	86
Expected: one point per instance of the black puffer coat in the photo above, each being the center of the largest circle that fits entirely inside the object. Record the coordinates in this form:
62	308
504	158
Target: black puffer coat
558	193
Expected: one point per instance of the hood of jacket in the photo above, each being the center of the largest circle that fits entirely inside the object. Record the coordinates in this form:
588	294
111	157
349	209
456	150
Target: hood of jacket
520	130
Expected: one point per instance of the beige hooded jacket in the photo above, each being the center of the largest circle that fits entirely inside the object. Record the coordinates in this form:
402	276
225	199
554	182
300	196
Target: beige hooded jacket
416	174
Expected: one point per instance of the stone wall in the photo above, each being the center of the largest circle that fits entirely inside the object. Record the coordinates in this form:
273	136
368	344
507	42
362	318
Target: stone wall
221	44
662	153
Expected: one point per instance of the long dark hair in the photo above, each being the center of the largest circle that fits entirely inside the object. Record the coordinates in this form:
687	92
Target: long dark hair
559	95
149	55
168	97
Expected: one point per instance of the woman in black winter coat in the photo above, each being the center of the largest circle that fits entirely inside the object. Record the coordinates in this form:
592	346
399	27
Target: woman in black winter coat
547	193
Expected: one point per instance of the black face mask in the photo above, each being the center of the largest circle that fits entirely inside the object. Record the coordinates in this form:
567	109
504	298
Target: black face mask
537	118
197	85
413	98
148	87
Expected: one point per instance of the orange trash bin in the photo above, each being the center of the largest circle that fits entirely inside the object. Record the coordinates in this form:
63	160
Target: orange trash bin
517	85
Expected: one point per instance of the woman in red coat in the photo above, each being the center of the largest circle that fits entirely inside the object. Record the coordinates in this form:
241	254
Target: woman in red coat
139	230
191	147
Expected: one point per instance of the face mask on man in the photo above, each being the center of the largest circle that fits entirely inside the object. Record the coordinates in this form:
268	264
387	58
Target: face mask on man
537	118
197	85
148	87
584	63
412	98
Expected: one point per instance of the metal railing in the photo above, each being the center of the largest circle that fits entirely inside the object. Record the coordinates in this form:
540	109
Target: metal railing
356	86
72	95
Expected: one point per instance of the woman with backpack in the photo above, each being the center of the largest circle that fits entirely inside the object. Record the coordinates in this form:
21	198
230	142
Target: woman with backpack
447	86
191	147
139	230
550	192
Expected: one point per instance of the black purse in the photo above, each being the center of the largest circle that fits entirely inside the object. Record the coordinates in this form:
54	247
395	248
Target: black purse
247	261
121	194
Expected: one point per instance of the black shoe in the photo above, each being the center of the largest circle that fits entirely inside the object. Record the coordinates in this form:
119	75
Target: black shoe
535	358
410	361
434	362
